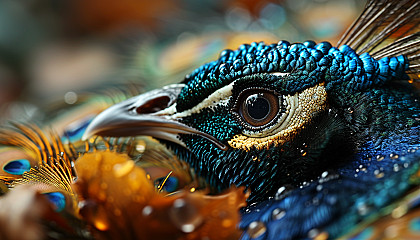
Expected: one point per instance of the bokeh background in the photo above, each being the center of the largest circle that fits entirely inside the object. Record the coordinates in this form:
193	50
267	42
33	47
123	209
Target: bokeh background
56	54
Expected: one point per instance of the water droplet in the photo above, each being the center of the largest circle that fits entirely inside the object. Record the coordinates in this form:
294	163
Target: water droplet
283	191
315	234
324	174
363	209
227	223
187	228
101	224
305	184
393	156
379	158
123	169
378	174
185	215
256	229
147	210
396	167
319	187
140	148
278	213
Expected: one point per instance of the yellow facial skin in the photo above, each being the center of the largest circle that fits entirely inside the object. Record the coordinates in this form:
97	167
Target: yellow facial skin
301	107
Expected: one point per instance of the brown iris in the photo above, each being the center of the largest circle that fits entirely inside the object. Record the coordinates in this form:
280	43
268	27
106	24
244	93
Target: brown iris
257	108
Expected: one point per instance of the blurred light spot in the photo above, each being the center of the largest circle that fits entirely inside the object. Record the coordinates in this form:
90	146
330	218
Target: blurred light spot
391	232
325	28
399	211
238	19
70	97
365	234
185	36
140	148
22	111
272	16
415	224
147	210
298	5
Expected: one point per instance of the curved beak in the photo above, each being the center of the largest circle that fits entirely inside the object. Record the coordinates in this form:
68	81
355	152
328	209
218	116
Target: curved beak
145	115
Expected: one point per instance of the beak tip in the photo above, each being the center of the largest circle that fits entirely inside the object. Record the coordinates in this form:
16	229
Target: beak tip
88	133
85	137
96	125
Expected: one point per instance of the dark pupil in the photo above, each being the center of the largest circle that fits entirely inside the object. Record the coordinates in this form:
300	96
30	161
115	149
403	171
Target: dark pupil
257	106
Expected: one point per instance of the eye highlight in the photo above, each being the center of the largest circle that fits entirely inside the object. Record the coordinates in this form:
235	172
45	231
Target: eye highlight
257	107
282	123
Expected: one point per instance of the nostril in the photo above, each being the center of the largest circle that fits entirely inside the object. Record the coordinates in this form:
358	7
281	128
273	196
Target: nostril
153	101
154	105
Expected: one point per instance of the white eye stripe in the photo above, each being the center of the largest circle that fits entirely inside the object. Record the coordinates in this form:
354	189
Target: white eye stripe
220	97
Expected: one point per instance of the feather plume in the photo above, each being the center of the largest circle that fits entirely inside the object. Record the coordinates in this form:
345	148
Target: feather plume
388	28
54	172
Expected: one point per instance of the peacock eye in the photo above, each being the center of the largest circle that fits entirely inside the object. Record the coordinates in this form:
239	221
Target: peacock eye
268	117
258	107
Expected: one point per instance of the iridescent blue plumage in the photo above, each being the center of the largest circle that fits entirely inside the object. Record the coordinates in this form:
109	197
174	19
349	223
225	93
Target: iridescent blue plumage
338	67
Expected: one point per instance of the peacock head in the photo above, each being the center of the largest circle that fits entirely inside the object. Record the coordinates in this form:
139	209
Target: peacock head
263	116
